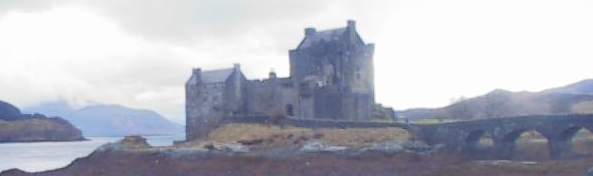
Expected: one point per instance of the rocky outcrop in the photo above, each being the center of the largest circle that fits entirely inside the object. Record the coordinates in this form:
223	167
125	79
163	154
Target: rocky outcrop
17	127
129	143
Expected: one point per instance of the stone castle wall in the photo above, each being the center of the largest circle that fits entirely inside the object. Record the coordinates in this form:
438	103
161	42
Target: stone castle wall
271	97
331	78
313	123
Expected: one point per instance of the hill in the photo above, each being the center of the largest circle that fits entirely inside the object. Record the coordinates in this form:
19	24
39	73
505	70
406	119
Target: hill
17	127
574	98
110	120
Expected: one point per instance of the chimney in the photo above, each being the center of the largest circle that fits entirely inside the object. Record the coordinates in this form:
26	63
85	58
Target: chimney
351	25
196	74
237	66
197	71
272	75
310	31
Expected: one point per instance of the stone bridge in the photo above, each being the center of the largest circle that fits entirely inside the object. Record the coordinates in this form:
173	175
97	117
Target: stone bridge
464	136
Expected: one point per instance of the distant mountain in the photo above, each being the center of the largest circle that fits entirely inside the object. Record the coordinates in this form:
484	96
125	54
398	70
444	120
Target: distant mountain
110	120
574	98
582	87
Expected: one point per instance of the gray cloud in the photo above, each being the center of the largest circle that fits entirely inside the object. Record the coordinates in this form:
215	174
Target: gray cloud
188	22
175	36
139	52
28	5
191	21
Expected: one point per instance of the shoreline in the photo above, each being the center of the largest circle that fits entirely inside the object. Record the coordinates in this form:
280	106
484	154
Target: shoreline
133	156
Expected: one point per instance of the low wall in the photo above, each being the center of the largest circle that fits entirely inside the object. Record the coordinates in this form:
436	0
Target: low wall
311	123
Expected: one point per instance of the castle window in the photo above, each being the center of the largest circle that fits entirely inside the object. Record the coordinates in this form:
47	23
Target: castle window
289	110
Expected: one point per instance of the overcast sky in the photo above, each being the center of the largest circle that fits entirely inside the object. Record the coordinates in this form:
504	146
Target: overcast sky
139	53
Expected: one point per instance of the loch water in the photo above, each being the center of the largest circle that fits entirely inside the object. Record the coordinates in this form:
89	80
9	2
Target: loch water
41	156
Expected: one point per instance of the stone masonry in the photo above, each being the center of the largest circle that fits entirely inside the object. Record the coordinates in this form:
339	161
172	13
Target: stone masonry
331	78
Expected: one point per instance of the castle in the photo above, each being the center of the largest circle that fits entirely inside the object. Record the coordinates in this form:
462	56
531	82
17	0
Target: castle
331	77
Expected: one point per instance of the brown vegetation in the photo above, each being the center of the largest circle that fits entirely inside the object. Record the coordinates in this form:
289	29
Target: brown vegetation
38	129
276	136
155	164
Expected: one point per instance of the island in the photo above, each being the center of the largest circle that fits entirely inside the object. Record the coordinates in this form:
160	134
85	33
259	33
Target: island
18	127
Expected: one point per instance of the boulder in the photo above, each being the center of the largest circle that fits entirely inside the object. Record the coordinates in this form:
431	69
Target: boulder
234	148
417	147
9	112
389	147
590	172
135	142
227	147
317	146
129	143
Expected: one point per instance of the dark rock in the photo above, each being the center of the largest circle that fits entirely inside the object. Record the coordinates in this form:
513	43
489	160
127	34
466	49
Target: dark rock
251	142
209	147
135	142
227	147
127	143
417	147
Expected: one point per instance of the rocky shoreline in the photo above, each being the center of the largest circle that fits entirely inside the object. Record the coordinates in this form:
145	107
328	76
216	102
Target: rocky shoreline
133	156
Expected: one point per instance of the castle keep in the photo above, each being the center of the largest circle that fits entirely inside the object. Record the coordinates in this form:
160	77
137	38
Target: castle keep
331	78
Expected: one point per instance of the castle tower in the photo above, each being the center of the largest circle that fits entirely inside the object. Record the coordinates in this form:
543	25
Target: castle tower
333	71
210	96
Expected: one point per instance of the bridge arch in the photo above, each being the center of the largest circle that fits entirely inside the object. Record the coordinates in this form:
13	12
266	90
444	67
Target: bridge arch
569	133
583	142
512	136
526	144
478	139
479	144
567	138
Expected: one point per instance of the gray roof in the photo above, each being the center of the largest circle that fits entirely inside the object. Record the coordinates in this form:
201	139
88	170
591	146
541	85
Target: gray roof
326	36
214	76
211	76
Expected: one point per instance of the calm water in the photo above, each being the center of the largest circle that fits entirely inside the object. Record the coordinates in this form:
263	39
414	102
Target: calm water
51	155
